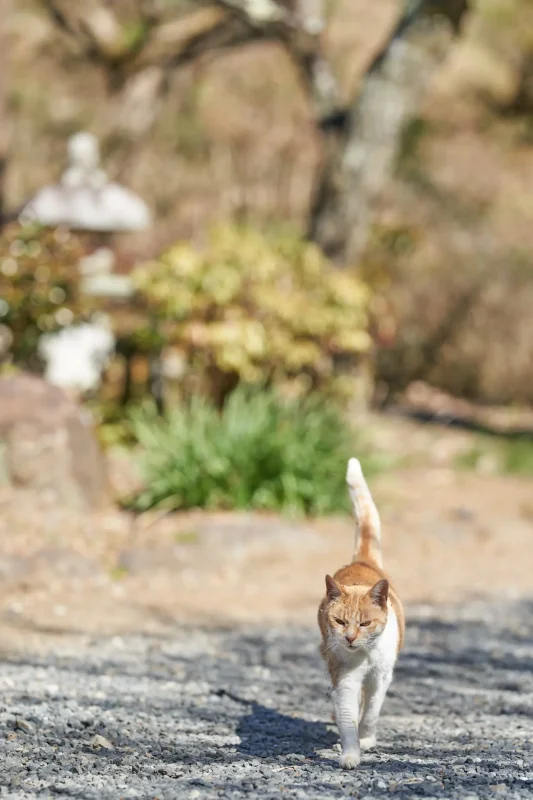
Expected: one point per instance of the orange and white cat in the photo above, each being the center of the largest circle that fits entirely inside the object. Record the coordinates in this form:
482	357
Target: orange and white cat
362	624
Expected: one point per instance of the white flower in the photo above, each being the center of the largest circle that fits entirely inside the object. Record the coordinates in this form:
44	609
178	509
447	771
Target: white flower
76	356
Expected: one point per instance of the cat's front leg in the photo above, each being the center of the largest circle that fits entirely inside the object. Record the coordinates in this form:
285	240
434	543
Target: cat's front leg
346	702
375	689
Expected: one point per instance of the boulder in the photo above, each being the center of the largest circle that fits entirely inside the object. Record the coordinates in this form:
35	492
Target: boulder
47	443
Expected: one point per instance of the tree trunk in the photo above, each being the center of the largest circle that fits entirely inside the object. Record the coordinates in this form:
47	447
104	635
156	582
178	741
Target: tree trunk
360	145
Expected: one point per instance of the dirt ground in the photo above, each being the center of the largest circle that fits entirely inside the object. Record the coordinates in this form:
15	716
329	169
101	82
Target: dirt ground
448	535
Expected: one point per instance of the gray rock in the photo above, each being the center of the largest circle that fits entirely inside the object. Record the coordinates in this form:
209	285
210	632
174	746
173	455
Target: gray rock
101	743
23	725
49	443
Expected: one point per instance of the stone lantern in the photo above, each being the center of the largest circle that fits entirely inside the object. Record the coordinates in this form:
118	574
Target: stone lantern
84	199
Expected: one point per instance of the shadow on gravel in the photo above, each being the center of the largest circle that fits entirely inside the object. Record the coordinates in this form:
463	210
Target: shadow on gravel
265	732
469	656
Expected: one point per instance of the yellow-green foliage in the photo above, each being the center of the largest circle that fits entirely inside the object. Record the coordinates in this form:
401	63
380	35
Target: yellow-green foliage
39	284
258	308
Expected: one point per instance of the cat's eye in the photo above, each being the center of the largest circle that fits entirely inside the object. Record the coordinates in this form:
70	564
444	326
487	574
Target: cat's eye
340	621
364	624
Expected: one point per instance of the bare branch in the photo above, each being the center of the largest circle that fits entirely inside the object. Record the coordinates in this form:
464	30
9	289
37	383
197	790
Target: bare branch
298	28
306	49
94	28
209	27
170	41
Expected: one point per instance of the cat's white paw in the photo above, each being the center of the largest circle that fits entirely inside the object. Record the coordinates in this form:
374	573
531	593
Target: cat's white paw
349	760
367	742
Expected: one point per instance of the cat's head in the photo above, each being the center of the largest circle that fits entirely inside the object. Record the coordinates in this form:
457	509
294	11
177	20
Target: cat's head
355	615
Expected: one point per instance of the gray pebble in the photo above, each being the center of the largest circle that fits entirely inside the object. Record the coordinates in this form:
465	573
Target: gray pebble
23	725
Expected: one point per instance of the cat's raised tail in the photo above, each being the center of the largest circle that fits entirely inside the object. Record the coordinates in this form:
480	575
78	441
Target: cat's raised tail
367	523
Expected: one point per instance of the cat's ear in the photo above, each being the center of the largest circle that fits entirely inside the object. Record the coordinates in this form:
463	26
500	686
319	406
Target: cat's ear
333	589
379	593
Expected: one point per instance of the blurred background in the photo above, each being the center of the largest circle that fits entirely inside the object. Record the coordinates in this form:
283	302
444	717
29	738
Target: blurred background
242	240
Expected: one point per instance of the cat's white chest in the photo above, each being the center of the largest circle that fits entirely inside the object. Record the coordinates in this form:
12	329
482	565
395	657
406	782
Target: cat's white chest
383	655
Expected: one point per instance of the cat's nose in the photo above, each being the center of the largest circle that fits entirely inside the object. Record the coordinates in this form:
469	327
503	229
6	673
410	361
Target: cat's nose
350	638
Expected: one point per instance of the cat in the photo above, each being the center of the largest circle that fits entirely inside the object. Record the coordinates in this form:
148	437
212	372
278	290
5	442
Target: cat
362	624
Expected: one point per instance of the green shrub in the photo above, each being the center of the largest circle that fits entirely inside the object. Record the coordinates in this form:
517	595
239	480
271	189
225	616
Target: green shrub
259	452
507	456
257	309
39	285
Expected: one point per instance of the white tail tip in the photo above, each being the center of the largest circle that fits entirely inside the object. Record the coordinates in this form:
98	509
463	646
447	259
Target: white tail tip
354	473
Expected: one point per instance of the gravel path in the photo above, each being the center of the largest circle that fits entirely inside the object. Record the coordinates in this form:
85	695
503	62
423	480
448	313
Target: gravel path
245	713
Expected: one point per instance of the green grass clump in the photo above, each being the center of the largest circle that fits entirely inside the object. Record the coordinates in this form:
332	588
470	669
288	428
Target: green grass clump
518	457
258	452
510	456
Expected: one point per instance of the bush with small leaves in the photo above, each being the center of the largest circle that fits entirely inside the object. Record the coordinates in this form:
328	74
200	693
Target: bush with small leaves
39	285
257	309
